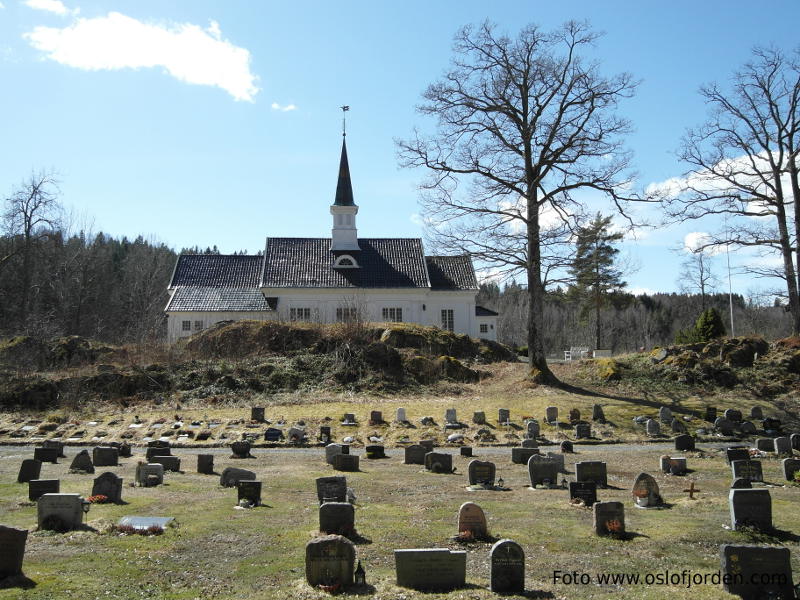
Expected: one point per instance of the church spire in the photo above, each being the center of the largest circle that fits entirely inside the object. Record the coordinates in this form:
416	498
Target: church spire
344	189
344	235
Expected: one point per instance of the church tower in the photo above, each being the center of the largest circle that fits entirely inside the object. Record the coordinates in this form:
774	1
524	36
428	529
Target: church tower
344	235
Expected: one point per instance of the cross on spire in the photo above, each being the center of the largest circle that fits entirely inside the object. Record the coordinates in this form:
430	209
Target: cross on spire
344	108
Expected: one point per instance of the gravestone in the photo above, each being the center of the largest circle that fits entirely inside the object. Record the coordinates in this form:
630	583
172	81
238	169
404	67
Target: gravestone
724	426
332	450
241	449
559	460
592	470
60	512
733	415
375	451
46	454
345	462
125	450
29	469
566	447
503	416
790	467
507	568
375	417
677	426
736	453
479	418
608	518
332	489
652	427
426	569
158	444
273	434
583	431
82	462
232	476
330	561
109	485
520	456
170	463
145	523
711	414
337	518
765	444
427	444
756	413
750	509
325	434
349	419
684	442
574	415
597	413
205	464
783	445
415	454
677	465
450	416
257	414
585	491
400	415
543	470
551	414
741	484
39	487
645	492
795	438
105	456
744	569
532	430
12	550
149	474
529	443
55	444
663	463
465	451
157	451
747	428
249	490
439	462
748	469
481	472
770	424
295	435
665	414
472	520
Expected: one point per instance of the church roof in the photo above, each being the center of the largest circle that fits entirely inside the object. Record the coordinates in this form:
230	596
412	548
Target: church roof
217	270
451	272
344	188
482	311
308	263
216	299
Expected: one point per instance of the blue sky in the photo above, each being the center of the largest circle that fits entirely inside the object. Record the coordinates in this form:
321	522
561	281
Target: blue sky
201	123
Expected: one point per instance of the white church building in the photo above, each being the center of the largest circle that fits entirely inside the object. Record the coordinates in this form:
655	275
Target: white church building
329	280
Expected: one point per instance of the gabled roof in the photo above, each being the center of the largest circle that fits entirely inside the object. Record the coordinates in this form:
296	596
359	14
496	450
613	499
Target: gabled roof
208	299
451	272
217	270
308	263
481	311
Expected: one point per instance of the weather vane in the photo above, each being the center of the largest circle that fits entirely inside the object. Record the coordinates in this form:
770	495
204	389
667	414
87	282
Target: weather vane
344	122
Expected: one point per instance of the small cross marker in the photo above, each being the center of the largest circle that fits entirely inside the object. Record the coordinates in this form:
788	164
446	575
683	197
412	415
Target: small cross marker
692	490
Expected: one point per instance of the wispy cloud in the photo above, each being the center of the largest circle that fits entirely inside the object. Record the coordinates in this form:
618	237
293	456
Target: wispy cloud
185	51
52	6
283	108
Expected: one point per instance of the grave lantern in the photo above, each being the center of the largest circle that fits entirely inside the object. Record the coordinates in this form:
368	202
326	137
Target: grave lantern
360	576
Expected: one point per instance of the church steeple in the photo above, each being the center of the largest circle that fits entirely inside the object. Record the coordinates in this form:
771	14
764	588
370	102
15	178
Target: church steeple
344	189
344	235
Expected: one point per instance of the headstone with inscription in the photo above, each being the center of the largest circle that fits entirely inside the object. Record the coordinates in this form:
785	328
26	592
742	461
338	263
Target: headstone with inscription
109	485
783	445
375	417
39	487
503	416
249	490
12	550
532	429
160	450
149	474
795	439
677	465
232	476
330	561
543	470
665	414
46	454
273	434
345	462
765	444
520	455
583	431
332	450
733	414
60	512
450	416
415	454
791	469
677	426
82	463
574	415
205	464
724	426
585	491
754	572
507	568
170	463
736	453
472	521
29	469
748	469
529	443
105	456
481	472
439	462
747	428
652	427
332	489
608	518
592	470
432	569
750	509
337	518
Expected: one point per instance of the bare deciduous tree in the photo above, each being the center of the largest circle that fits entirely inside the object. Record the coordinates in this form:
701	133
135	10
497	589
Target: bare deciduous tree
697	275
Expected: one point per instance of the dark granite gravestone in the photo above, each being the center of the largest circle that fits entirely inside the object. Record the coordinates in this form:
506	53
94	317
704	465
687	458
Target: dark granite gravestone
747	428
231	476
375	451
46	454
652	427
665	414
332	489
12	550
157	451
733	414
756	572
724	426
479	418
574	415
464	450
125	450
349	419
677	426
520	455
751	509
415	454
608	518
677	465
529	443
149	474
345	462
741	484
60	512
532	430
105	456
257	414
450	416
597	413
795	438
241	449
684	442
82	463
426	569
439	462
481	472
205	464
756	413
507	568
585	491
790	467
645	492
158	444
736	453
543	470
332	450
783	445
749	469
273	434
551	414
765	444
249	491
375	417
170	463
325	434
109	485
55	444
330	561
29	469
337	518
583	431
503	416
592	470
711	414
427	444
566	447
39	487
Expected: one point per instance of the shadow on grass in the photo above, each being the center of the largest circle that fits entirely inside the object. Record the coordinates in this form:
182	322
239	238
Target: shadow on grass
532	594
17	581
359	540
361	590
769	536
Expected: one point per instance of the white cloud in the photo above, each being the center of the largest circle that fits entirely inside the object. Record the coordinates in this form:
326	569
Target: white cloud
286	108
187	52
2	6
641	291
53	6
692	241
417	219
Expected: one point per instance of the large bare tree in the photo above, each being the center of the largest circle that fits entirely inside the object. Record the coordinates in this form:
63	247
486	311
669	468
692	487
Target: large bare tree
524	125
744	166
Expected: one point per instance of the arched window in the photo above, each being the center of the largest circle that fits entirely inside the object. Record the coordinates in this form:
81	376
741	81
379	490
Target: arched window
345	261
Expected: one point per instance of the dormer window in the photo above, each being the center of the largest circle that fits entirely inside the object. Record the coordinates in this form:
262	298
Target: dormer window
345	261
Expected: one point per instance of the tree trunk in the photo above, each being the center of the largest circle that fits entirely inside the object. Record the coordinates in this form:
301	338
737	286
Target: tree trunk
788	259
793	178
537	360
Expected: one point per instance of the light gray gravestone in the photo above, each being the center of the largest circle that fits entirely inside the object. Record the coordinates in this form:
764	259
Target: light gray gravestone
144	523
60	512
733	415
479	418
29	469
425	569
105	456
790	467
592	470
736	453
507	568
241	449
55	444
748	469
46	454
415	454
109	485
503	416
520	455
232	476
583	431
331	489
149	474
337	518
724	426
481	472
645	492
765	444
257	414
170	463
608	518
532	430
652	427
450	416
597	413
665	414
756	413
551	414
400	415
332	450
82	463
543	470
346	462
205	464
12	550
585	491
684	442
783	445
439	462
39	487
249	490
330	561
744	569
750	509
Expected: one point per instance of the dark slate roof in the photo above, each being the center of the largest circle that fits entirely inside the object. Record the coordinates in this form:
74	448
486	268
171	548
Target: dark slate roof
344	189
308	263
451	272
480	311
207	299
215	270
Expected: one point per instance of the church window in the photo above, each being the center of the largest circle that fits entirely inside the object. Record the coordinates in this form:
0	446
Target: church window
484	328
346	314
198	325
299	314
447	319
186	325
393	314
346	261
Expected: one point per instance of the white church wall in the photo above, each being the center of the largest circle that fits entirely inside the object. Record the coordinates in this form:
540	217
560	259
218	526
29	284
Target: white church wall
203	320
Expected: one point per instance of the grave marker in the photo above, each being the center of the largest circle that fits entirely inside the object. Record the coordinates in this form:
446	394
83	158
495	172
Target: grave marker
241	449
586	491
431	568
566	447
790	467
375	417
12	550
757	571
503	416
39	487
450	416
46	454
795	439
583	431
783	445
543	470
149	474
733	415
551	414
205	464
29	469
748	469
736	453
249	490
109	485
645	492
331	450
750	509
608	518
345	462
330	561
765	444
231	476
479	418
532	430
105	456
257	414
170	463
82	463
597	413
711	414
439	462
520	455
507	570
592	470
684	442
400	415
756	413
273	434
724	426
652	427
465	451
331	489
415	454
375	451
481	472
60	512
665	414
337	518
55	444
